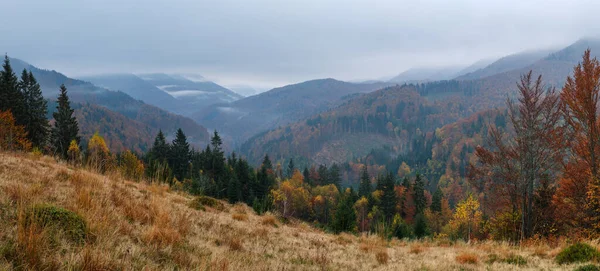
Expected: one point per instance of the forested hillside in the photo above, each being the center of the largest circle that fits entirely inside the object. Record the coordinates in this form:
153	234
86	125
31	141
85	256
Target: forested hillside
244	118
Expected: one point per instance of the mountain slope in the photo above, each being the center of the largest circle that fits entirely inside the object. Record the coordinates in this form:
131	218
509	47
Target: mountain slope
426	74
393	117
136	88
507	63
115	101
246	117
192	91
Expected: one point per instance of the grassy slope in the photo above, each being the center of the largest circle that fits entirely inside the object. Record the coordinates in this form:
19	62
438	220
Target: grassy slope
143	226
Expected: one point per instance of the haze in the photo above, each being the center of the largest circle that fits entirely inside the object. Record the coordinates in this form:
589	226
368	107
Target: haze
270	43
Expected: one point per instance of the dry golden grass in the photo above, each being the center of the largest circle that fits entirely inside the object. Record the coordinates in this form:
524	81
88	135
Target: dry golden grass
467	258
140	226
240	217
269	220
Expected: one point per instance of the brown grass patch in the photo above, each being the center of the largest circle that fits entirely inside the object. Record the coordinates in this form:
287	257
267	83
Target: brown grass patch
416	249
234	244
467	258
382	257
240	217
269	220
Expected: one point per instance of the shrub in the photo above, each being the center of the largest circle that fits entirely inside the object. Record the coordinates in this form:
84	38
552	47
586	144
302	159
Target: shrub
382	257
588	267
201	201
467	258
579	252
269	220
515	259
56	218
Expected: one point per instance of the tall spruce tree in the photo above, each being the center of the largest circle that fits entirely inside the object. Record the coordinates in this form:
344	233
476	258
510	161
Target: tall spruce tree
158	159
364	189
306	175
345	216
11	97
388	200
217	168
180	155
436	200
419	195
334	176
290	168
36	109
65	127
323	175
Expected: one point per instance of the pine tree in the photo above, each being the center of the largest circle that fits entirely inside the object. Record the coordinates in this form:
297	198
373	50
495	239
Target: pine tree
345	215
436	200
306	175
160	148
233	189
364	190
388	200
334	176
323	175
36	108
11	98
217	167
421	229
65	125
157	159
180	155
290	168
265	178
419	195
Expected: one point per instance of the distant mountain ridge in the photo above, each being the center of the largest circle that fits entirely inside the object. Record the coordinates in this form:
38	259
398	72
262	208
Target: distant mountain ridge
426	74
193	91
181	94
507	63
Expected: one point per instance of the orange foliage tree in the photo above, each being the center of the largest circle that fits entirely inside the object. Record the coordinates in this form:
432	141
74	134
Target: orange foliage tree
581	95
515	168
12	137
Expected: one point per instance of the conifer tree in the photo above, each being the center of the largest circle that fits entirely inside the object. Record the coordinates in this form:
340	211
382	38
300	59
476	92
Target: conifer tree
217	166
180	155
419	195
421	229
345	215
157	159
36	108
364	190
306	175
160	148
323	175
11	98
334	176
265	178
388	200
436	200
290	168
65	125
233	189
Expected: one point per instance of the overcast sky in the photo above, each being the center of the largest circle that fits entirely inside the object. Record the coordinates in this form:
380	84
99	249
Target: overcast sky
270	43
